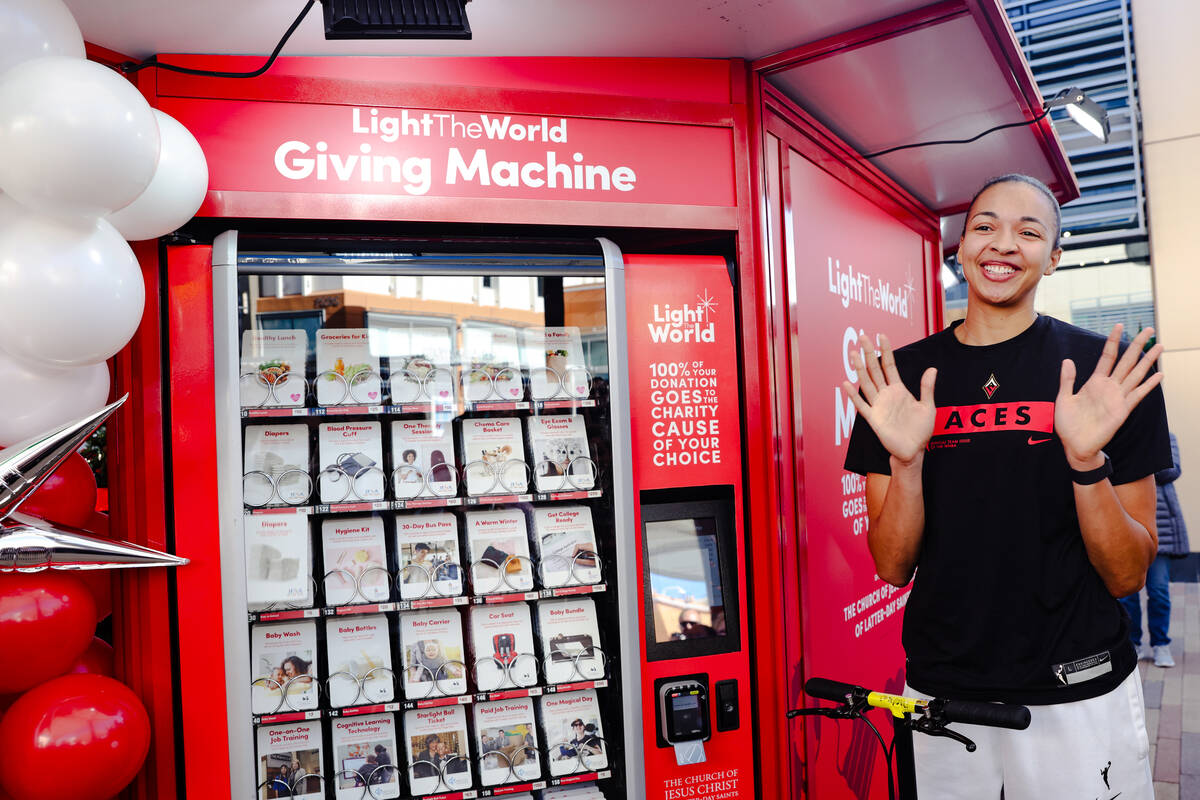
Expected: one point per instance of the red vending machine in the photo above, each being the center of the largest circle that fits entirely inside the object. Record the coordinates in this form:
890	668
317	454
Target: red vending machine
478	524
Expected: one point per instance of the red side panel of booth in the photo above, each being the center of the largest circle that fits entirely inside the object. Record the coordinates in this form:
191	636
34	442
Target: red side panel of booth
854	261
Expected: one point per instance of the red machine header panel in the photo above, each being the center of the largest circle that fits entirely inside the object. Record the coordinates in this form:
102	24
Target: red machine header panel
414	152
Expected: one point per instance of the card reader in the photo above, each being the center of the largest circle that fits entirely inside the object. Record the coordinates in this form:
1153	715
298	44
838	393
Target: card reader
683	710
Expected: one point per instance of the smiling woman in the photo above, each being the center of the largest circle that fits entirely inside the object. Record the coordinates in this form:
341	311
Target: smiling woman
1023	500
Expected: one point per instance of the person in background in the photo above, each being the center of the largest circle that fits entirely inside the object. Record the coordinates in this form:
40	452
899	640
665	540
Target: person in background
382	757
1172	543
363	775
282	782
690	626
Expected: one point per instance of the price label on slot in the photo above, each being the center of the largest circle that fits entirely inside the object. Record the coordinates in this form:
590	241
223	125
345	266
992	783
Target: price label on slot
380	708
437	602
280	616
430	502
346	410
345	611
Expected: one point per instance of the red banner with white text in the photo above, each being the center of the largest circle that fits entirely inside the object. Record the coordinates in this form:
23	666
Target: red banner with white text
856	270
443	153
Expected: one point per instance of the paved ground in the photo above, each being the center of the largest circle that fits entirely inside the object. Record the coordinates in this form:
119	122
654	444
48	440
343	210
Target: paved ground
1173	702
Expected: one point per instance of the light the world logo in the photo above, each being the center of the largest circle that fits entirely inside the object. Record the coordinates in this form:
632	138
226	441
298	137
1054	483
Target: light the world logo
856	286
686	323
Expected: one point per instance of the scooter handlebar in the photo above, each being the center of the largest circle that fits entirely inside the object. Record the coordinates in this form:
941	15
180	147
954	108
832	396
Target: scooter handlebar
996	715
825	689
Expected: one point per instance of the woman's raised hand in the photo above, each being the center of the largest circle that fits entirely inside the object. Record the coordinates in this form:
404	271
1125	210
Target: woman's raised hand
1086	420
902	422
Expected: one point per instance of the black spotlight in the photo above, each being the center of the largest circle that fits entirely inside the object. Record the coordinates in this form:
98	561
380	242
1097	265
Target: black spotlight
396	19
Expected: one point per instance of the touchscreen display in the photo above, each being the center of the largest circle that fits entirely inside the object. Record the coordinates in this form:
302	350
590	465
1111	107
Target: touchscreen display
685	579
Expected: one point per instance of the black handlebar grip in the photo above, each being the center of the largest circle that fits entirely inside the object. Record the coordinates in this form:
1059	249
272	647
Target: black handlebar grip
826	689
996	715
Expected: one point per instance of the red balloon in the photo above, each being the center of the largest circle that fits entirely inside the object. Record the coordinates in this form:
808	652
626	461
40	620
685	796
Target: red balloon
99	581
47	620
99	584
98	525
78	736
67	497
96	660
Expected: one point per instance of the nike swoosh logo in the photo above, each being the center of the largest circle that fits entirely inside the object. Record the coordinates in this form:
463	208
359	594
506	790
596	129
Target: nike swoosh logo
1038	441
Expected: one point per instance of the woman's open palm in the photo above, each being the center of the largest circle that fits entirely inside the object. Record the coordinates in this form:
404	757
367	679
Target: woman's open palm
1086	420
902	422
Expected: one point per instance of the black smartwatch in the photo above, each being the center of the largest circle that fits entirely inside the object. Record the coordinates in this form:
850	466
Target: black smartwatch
1088	477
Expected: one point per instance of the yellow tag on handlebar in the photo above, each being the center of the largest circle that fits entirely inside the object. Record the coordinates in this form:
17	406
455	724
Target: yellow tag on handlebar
899	706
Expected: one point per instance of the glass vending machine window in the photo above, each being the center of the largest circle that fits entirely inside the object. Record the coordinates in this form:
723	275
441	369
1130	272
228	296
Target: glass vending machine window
428	524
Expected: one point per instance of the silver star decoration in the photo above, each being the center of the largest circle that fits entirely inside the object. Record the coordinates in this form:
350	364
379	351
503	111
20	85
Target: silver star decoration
29	544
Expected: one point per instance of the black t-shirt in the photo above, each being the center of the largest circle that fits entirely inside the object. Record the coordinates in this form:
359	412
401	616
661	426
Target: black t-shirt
1005	604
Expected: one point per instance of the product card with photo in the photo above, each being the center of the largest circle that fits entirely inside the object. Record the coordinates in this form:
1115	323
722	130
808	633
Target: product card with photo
431	648
498	547
437	749
355	561
351	457
364	755
566	545
347	371
506	741
570	640
359	658
421	361
423	462
573	732
275	466
278	564
554	358
502	650
283	667
287	756
491	364
562	460
427	554
494	456
274	370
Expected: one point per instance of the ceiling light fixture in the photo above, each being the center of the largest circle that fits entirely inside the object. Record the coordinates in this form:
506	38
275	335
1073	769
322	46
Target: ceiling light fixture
396	19
1090	115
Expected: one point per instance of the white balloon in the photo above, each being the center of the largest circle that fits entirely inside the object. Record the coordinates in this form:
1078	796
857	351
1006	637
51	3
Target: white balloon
176	190
75	137
37	29
71	292
35	400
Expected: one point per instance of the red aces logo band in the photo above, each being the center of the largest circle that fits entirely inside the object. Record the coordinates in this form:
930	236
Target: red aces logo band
1019	416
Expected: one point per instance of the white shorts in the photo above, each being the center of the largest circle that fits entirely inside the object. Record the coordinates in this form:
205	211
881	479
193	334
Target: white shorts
1092	749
